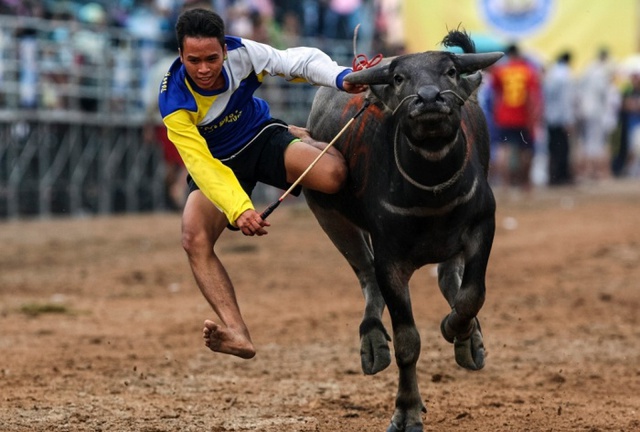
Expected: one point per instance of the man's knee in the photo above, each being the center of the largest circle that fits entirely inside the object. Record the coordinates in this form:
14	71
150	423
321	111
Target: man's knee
196	242
337	177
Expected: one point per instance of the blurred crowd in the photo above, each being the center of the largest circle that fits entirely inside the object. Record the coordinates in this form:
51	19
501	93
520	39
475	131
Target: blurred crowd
580	126
278	22
103	57
87	43
585	124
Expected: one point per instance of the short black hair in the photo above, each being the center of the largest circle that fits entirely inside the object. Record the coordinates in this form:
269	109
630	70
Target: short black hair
513	50
565	57
603	53
200	23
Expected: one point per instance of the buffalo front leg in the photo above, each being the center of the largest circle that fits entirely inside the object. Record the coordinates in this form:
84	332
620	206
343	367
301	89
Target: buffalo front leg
462	327
393	280
355	246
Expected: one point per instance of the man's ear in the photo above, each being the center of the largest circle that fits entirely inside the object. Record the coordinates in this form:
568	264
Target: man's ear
224	51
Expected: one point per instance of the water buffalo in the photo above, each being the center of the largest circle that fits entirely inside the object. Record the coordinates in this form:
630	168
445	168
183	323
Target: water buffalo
417	194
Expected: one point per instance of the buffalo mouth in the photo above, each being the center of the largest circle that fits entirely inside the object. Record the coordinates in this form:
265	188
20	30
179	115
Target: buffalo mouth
429	113
430	120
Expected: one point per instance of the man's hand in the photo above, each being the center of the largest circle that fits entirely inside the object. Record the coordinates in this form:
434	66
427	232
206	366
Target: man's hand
251	223
354	88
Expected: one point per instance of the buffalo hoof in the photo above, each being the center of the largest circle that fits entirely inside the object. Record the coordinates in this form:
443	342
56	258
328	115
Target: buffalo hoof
394	428
470	351
374	350
407	420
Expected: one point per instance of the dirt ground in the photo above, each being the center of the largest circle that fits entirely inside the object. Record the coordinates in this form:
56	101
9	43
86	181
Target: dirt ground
101	327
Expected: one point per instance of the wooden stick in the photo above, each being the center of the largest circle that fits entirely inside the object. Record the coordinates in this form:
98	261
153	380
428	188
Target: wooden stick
274	205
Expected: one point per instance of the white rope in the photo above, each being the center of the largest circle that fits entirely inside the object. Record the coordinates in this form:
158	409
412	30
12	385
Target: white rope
402	101
436	188
455	94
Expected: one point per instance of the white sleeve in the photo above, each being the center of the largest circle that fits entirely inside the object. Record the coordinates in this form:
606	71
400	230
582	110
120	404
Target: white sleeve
308	64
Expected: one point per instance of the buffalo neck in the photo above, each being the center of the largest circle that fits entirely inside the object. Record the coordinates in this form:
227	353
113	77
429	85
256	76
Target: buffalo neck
430	170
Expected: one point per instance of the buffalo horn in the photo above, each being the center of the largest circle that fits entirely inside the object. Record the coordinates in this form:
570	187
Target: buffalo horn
374	76
473	62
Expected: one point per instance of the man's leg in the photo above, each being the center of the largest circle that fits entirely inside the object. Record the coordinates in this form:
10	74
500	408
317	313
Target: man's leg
524	174
554	152
202	224
328	174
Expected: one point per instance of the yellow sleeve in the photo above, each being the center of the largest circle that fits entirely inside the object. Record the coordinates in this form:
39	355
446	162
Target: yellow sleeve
216	181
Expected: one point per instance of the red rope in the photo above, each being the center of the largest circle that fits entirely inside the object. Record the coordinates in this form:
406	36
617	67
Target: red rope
361	62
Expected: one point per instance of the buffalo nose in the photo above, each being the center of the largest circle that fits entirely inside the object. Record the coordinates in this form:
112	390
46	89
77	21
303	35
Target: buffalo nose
428	93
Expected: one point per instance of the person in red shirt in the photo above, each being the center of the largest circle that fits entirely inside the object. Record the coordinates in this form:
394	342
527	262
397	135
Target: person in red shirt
516	112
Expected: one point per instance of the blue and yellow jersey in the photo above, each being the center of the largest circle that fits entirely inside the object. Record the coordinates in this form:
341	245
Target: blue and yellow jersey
206	126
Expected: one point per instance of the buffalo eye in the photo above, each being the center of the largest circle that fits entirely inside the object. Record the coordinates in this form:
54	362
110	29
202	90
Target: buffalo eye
452	73
398	79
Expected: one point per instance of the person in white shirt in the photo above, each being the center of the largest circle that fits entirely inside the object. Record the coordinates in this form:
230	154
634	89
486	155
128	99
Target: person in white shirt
559	114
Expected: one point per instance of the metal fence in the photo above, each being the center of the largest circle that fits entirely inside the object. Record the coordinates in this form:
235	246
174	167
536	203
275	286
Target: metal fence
72	117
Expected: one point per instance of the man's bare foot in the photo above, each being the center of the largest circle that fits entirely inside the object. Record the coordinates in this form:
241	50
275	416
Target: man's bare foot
224	340
300	132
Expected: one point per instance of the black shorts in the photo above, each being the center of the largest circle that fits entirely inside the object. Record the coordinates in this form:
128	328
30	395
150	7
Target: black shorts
262	160
519	138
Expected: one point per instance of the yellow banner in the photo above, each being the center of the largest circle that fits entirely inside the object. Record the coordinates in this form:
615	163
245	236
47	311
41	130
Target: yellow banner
542	28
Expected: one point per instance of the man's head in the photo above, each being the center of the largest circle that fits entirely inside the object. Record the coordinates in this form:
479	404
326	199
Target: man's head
200	34
564	57
603	54
513	50
199	23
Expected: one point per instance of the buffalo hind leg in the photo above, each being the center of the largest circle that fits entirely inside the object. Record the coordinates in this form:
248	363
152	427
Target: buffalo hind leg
354	245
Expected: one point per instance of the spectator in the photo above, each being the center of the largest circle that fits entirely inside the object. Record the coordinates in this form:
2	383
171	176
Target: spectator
341	18
148	23
598	106
27	37
30	8
626	156
559	113
29	74
261	30
389	25
57	59
288	10
290	30
155	133
517	97
90	42
486	102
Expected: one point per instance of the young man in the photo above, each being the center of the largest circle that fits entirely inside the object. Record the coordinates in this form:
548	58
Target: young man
229	141
517	112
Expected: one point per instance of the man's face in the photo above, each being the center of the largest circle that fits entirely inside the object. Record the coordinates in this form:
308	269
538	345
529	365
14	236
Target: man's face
203	59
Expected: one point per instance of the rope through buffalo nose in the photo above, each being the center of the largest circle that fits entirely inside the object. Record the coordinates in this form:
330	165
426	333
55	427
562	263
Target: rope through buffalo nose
416	95
403	101
455	94
428	93
275	204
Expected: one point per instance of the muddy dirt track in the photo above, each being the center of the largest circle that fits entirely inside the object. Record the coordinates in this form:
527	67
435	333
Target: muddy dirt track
101	327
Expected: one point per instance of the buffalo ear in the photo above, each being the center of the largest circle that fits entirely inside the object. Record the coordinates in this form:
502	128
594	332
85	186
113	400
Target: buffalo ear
382	92
471	82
